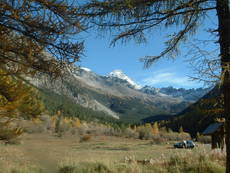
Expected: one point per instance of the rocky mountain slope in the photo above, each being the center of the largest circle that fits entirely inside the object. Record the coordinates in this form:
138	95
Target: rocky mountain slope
191	95
116	95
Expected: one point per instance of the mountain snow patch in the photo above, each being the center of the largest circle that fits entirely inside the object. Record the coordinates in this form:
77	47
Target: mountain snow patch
86	69
121	75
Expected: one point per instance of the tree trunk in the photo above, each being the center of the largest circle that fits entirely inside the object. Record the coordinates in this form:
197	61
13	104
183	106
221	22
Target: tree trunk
223	14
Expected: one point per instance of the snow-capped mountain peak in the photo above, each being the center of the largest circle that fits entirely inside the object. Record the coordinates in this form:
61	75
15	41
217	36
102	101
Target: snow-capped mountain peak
121	75
86	69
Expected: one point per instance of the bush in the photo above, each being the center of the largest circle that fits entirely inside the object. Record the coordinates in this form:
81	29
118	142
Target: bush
46	119
157	139
62	125
129	133
204	139
174	136
113	132
144	133
8	134
85	138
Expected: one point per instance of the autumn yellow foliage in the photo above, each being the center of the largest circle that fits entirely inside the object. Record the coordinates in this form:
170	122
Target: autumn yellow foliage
155	128
17	99
77	123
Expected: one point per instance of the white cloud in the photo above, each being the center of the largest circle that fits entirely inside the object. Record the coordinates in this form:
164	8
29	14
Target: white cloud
164	78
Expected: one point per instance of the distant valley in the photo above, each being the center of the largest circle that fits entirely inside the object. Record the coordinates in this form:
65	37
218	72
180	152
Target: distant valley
115	95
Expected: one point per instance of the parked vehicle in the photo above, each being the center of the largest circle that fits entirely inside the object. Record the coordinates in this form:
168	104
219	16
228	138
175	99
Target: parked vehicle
185	144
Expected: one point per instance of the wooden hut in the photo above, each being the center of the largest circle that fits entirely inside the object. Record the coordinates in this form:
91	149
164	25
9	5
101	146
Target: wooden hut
216	131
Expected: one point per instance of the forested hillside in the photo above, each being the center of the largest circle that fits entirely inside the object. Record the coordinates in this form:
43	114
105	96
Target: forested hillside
199	115
54	102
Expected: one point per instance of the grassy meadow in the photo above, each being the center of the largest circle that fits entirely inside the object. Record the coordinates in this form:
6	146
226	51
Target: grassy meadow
102	154
71	146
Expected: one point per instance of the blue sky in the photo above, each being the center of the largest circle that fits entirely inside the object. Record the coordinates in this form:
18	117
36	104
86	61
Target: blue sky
101	58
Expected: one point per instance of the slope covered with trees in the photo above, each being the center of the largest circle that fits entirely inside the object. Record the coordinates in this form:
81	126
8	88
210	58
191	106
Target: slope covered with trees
54	102
198	116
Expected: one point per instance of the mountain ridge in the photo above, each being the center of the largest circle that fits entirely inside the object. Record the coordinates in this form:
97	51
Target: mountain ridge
115	95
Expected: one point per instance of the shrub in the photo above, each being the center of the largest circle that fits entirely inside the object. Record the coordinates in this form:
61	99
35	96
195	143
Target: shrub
174	136
85	138
62	125
157	139
204	139
77	123
181	130
58	124
129	133
113	132
144	133
47	121
8	134
155	128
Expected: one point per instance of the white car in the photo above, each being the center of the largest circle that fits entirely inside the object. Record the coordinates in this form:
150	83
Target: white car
185	144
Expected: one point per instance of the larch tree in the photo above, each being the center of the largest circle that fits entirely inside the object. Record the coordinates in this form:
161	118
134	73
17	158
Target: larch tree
155	129
181	130
16	100
38	36
132	19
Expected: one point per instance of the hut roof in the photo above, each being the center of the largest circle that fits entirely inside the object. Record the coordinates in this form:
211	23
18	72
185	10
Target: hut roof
212	128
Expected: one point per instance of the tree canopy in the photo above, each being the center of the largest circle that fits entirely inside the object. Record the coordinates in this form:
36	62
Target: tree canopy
35	36
132	19
31	31
17	100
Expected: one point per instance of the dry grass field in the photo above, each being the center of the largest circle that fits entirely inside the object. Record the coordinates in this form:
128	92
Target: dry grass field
47	153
